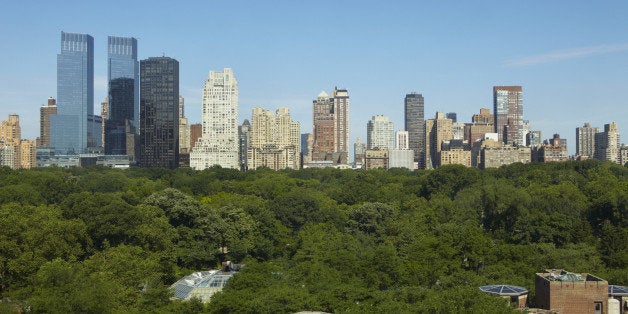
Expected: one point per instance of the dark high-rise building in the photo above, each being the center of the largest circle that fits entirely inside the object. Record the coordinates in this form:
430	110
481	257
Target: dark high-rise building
72	128
508	111
414	118
120	114
159	112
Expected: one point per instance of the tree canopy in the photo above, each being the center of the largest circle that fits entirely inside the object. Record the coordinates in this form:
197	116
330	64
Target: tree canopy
109	240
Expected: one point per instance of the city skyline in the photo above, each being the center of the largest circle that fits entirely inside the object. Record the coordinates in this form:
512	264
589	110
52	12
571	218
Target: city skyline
571	65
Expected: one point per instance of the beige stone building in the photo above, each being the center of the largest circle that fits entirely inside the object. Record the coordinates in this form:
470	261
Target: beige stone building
275	140
455	156
376	158
437	130
16	153
494	155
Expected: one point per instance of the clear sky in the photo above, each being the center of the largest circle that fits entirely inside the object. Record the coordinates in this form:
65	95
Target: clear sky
571	57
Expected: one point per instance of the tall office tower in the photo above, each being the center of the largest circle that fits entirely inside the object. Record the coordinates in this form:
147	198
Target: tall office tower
359	153
607	144
275	140
401	140
453	116
71	129
331	126
122	63
585	140
159	112
219	142
437	130
184	129
379	133
414	119
44	122
244	140
508	109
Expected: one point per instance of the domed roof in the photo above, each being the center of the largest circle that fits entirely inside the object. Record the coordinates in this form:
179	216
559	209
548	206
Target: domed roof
323	95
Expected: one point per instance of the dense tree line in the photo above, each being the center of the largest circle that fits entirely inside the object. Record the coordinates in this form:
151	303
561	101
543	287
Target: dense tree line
104	240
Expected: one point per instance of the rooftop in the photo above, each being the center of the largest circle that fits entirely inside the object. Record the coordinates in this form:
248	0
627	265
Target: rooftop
504	290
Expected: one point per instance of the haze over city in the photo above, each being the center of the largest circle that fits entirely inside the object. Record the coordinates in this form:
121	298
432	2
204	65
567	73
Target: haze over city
570	57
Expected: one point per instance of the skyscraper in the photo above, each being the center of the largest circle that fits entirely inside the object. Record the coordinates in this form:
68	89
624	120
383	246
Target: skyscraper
414	119
159	112
380	133
120	114
508	110
219	142
122	63
585	140
331	126
44	122
71	128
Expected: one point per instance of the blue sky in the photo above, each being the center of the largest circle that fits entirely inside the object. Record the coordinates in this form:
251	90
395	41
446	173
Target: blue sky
571	57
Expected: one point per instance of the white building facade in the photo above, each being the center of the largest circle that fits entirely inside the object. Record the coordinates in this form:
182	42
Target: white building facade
380	133
218	144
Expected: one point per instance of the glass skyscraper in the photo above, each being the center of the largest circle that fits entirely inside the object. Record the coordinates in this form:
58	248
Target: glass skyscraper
122	63
414	118
508	110
159	112
71	128
123	78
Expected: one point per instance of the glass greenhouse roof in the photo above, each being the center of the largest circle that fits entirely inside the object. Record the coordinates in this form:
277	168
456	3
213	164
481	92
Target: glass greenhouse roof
619	291
201	284
504	290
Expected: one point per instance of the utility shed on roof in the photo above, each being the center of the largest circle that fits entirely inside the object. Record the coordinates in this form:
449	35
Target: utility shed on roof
566	292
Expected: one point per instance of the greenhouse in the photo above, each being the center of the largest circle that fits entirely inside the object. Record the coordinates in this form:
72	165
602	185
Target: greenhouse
201	285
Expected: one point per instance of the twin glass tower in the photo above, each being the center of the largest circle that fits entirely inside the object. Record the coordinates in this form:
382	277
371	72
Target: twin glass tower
75	129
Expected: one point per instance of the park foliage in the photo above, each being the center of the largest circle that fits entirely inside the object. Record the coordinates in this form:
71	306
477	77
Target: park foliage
99	240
